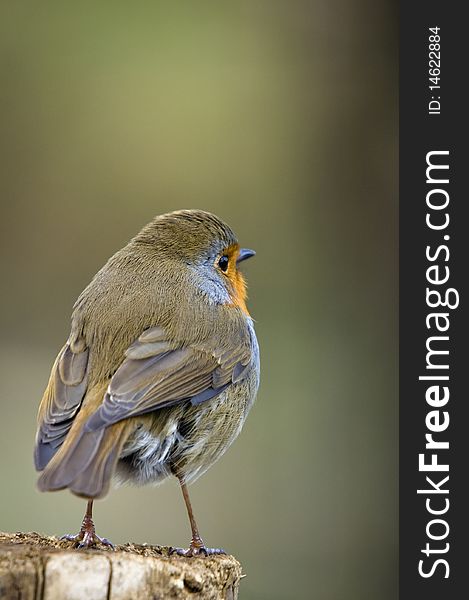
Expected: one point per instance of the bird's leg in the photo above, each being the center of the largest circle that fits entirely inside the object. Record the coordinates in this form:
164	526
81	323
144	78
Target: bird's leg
87	537
197	546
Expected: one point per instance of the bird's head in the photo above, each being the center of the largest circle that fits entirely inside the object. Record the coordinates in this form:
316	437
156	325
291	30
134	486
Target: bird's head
200	242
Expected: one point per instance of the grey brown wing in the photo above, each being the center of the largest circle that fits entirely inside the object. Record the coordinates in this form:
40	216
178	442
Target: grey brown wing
156	374
60	403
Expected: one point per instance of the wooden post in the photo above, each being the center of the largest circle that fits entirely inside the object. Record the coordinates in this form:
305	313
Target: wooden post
34	567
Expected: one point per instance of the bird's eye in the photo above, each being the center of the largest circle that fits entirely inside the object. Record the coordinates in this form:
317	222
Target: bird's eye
223	263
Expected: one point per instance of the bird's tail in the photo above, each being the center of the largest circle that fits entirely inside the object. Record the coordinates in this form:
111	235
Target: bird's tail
86	461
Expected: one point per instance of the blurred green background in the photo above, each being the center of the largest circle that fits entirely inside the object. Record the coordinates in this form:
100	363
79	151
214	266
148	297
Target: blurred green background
281	117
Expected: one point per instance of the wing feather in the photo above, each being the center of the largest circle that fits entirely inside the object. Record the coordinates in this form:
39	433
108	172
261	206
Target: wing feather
61	401
157	373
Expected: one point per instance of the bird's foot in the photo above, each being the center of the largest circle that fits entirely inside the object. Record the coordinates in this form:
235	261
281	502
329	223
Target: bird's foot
196	550
87	537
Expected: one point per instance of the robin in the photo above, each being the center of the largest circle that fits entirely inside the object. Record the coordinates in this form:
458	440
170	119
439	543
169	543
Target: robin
159	371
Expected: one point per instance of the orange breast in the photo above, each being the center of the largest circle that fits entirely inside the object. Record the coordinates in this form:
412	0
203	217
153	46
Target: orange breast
238	283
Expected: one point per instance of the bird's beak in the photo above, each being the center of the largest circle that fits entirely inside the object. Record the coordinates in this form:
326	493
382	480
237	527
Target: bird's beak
244	253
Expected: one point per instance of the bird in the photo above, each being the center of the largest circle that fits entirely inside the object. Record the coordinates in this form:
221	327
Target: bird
159	371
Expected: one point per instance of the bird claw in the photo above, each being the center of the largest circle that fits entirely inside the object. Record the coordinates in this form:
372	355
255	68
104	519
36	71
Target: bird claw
196	551
87	539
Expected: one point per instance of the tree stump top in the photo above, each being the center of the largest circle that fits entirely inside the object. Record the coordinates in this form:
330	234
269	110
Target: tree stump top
37	567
